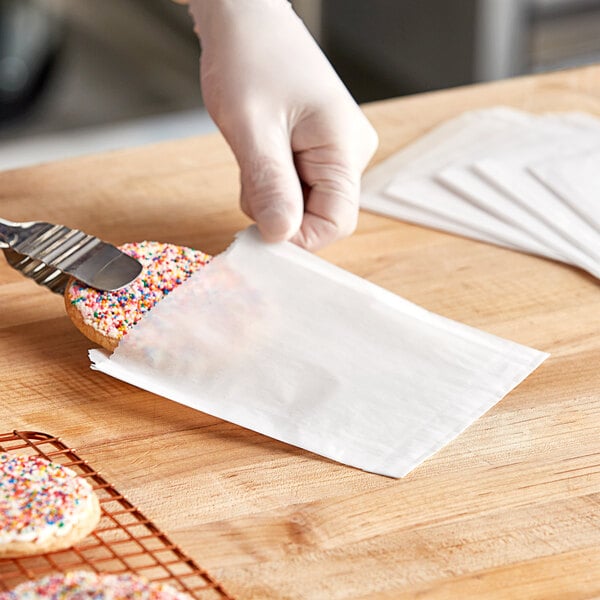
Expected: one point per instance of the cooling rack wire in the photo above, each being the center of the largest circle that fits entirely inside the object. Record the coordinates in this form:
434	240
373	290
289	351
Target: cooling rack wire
124	540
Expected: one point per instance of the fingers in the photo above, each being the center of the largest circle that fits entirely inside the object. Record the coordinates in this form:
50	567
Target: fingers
331	212
331	171
271	192
271	195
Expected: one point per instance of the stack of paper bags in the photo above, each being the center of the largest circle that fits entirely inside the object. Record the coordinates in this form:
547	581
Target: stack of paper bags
528	182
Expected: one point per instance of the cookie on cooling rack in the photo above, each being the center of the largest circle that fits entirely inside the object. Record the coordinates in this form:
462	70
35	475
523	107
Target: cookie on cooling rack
78	585
105	317
44	506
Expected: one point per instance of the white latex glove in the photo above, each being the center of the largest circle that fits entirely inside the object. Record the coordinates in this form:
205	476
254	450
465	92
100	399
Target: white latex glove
299	138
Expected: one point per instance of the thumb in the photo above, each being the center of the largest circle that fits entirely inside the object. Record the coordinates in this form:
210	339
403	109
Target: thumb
271	192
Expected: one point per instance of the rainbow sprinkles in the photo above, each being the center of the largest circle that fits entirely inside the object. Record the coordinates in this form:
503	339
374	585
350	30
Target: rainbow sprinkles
79	585
39	499
165	266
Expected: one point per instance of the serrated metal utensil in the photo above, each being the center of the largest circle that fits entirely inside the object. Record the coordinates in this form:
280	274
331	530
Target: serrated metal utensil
51	254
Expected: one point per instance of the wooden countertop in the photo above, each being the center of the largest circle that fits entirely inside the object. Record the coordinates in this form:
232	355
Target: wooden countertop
511	509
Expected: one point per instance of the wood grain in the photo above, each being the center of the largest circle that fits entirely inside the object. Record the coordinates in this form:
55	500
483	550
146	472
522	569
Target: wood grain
511	509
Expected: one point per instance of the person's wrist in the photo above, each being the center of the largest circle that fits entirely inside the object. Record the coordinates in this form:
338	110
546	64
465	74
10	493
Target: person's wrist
214	15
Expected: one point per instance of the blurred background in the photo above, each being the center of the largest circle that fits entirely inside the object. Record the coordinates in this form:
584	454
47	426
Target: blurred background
81	77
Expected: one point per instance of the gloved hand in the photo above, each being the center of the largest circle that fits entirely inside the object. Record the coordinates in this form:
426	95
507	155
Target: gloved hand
299	138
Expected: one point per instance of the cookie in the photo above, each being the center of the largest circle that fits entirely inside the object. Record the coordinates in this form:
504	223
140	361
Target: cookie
81	585
44	506
105	317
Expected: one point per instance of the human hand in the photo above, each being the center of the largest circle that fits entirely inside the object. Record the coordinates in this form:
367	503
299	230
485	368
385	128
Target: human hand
300	140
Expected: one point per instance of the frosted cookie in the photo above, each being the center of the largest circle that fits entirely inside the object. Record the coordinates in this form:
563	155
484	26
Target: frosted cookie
80	585
44	506
105	317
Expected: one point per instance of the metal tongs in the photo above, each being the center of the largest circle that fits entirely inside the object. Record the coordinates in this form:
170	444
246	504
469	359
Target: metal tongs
51	254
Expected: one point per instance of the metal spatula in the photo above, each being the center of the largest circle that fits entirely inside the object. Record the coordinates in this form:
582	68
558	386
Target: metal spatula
50	254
